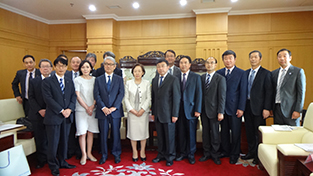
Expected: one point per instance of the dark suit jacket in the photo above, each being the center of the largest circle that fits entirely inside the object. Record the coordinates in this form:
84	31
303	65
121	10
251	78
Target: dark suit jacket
109	98
20	79
236	94
35	98
261	91
214	98
192	95
100	71
56	101
292	91
166	98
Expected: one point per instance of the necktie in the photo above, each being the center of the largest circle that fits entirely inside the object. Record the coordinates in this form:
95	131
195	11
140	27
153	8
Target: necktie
228	74
184	81
27	84
280	81
161	80
207	83
250	82
170	71
75	74
109	82
62	85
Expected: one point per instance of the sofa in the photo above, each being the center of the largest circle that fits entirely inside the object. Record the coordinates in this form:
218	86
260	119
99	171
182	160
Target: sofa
277	151
11	110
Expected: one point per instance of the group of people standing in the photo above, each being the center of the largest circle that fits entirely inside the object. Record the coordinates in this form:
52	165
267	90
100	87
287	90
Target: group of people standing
92	100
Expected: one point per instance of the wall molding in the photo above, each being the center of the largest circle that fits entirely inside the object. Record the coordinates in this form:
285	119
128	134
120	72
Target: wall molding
271	10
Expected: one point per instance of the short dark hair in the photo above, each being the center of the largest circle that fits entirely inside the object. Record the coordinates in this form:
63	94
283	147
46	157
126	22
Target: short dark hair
284	49
26	56
170	51
91	55
109	53
256	51
45	60
162	60
185	56
228	52
81	65
142	68
63	55
60	60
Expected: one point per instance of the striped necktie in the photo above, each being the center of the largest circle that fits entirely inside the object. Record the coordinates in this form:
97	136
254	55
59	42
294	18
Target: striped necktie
207	82
62	85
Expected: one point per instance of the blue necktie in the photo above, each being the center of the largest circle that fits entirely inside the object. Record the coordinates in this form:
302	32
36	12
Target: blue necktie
250	82
207	83
171	71
228	74
184	81
161	81
109	83
62	85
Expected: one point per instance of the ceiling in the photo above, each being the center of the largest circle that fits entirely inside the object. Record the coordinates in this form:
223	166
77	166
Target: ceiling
71	11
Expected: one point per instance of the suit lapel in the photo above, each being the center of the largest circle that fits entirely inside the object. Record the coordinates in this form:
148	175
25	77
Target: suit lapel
213	80
189	77
57	84
164	81
288	75
258	74
113	84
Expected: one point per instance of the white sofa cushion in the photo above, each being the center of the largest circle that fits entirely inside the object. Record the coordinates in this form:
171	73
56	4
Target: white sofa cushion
268	156
270	136
291	150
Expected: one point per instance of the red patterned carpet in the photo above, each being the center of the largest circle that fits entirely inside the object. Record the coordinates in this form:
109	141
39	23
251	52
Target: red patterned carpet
128	167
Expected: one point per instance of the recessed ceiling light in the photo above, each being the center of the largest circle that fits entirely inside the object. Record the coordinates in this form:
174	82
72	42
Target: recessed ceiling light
233	0
136	5
183	2
92	8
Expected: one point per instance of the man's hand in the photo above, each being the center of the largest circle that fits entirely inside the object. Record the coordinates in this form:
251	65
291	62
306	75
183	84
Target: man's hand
19	99
140	112
197	114
220	117
42	112
174	119
106	111
112	109
66	113
239	113
266	113
295	115
152	117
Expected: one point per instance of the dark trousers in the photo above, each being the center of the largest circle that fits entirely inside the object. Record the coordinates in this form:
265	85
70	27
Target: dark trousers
230	134
41	141
73	141
186	133
210	136
26	106
57	143
166	140
115	124
252	123
280	119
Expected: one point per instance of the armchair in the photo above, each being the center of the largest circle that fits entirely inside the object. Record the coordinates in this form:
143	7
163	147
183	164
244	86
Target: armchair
277	152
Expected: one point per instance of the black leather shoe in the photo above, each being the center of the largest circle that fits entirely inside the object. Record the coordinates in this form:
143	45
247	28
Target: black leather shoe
143	159
68	166
248	156
204	158
135	159
192	160
55	172
222	155
233	160
118	159
217	161
169	163
179	158
40	165
255	161
102	160
156	160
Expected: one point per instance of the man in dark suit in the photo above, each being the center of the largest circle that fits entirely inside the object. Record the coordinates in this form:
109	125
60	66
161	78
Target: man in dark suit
289	90
22	77
236	96
100	71
59	95
92	58
37	112
73	144
165	109
190	109
213	106
258	104
170	56
109	93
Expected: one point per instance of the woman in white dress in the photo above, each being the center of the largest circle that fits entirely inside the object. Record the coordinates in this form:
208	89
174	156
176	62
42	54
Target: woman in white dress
137	101
86	123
